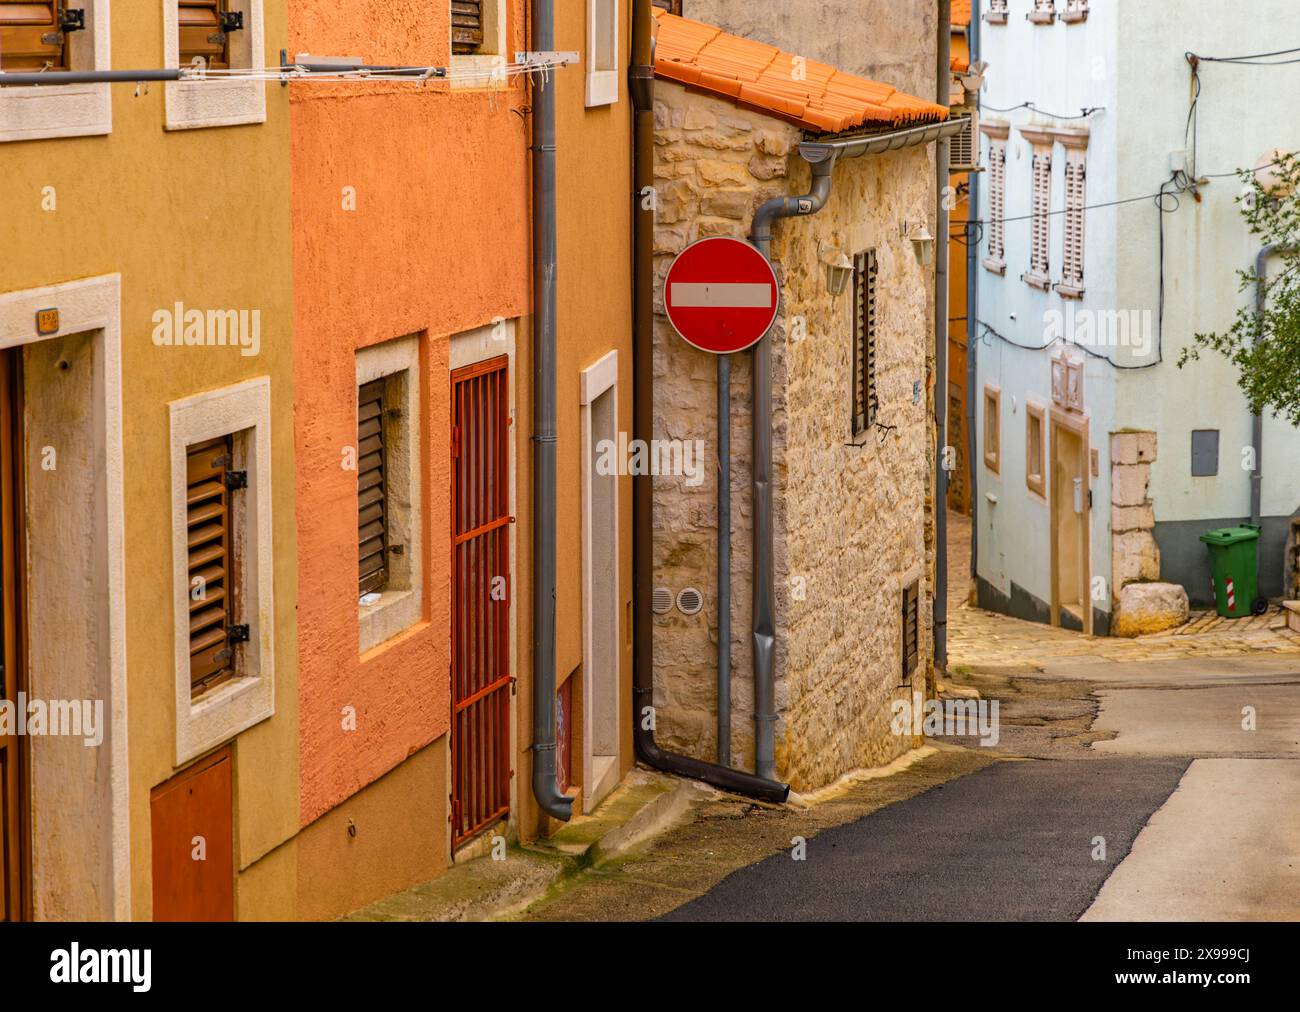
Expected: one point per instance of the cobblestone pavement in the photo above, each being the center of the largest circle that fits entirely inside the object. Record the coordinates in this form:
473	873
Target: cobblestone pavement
978	637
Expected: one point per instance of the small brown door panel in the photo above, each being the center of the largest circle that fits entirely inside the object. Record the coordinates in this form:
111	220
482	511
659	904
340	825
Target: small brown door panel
193	843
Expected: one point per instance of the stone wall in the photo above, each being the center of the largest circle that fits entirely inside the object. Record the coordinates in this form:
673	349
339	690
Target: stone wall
850	518
1135	558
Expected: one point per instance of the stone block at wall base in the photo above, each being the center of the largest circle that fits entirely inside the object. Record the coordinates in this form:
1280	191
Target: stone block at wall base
1150	608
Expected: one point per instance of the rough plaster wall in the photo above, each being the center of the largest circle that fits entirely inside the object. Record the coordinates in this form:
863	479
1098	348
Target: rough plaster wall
71	811
850	521
438	244
893	42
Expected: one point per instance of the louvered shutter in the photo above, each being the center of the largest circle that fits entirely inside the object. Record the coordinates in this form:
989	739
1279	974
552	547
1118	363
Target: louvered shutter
30	36
1040	263
372	496
997	200
466	25
1075	201
962	148
911	629
211	579
201	33
864	341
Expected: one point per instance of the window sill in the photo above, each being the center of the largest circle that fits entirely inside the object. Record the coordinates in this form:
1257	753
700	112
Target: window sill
1039	281
996	17
1074	17
995	266
1041	17
991	462
394	613
1036	485
1069	291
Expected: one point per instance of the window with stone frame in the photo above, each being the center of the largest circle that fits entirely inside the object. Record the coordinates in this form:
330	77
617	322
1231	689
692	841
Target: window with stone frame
1071	284
864	399
1043	12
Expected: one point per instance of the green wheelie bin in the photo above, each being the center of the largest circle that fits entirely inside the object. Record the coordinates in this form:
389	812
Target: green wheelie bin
1232	565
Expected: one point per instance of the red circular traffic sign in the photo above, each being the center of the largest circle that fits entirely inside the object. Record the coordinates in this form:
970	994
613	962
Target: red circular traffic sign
721	295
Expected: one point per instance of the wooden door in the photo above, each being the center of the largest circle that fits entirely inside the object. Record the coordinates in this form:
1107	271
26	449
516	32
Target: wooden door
193	843
1070	517
13	772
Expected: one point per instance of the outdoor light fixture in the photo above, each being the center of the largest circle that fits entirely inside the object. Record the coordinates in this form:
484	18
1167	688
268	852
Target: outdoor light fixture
838	272
922	242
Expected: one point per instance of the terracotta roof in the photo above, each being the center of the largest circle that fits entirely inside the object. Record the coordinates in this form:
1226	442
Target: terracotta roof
961	13
762	77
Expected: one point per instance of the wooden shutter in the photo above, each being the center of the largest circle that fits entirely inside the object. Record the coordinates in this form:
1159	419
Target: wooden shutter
201	33
997	200
1040	257
211	578
864	341
911	629
372	494
466	26
962	148
1075	201
31	37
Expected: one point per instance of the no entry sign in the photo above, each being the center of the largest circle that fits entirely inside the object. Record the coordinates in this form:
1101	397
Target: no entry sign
721	295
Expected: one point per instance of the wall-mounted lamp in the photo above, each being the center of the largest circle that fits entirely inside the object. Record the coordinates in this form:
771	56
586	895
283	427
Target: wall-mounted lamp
839	268
922	242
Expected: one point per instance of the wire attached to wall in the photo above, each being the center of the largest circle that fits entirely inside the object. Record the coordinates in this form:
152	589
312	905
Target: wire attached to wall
1085	111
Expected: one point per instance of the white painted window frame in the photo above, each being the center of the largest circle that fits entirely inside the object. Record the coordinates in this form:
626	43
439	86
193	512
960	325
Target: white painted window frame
602	83
194	105
401	605
486	69
70	110
243	409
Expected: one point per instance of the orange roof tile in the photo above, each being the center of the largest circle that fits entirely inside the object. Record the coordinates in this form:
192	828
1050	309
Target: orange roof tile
754	74
961	13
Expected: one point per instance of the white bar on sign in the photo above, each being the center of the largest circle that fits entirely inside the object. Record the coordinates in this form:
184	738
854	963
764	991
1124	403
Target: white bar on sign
721	296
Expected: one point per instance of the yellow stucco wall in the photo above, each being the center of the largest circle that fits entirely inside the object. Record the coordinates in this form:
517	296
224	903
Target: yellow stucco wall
200	217
594	313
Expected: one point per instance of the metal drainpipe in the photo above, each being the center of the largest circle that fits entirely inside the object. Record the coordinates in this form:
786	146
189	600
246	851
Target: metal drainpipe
972	305
722	777
545	788
941	252
724	560
1256	420
764	618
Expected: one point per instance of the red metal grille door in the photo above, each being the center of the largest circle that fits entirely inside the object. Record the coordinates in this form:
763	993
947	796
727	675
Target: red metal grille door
480	634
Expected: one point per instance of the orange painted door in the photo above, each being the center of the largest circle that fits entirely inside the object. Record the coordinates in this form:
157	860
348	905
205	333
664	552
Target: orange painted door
13	802
193	843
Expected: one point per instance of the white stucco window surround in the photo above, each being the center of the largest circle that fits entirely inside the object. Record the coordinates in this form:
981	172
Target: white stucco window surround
1043	12
401	600
602	52
65	110
997	12
486	67
1075	11
244	412
219	100
998	132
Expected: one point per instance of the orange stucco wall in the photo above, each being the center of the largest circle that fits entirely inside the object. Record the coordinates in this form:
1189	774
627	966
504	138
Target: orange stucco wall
437	244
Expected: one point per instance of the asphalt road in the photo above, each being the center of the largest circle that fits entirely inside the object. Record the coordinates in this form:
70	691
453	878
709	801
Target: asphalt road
1014	841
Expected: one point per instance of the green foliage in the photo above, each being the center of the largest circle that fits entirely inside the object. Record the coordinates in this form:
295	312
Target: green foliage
1266	348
